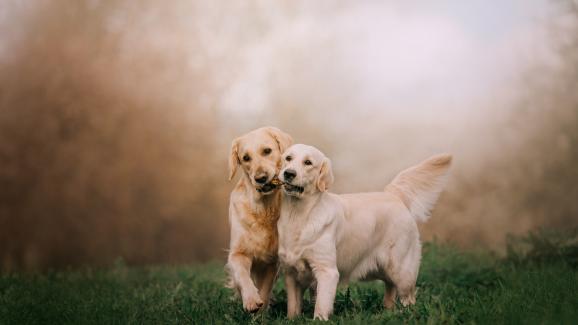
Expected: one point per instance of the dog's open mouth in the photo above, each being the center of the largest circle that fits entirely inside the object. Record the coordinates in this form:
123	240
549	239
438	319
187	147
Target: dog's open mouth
293	188
273	184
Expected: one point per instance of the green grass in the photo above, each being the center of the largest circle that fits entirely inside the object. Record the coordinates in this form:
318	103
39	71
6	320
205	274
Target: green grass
536	283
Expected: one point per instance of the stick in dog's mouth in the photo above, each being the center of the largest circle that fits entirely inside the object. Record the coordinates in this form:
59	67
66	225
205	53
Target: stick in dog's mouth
276	182
273	184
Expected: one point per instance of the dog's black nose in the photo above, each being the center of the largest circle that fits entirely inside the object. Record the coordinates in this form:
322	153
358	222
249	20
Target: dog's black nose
289	174
261	180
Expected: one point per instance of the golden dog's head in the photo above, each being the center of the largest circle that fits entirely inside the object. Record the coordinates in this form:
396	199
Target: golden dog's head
305	170
259	155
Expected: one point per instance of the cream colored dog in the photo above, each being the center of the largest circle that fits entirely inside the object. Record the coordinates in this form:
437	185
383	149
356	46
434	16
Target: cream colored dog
325	239
253	213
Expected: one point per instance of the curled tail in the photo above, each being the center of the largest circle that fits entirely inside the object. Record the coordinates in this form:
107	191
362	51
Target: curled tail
420	186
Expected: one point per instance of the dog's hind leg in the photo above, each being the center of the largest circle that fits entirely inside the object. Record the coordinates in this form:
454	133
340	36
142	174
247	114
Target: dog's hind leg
403	273
403	285
407	295
265	278
389	295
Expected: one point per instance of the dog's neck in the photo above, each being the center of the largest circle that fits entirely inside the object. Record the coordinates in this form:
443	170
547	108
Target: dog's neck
299	206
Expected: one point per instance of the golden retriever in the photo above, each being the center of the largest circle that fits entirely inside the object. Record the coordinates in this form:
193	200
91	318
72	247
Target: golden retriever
326	239
253	213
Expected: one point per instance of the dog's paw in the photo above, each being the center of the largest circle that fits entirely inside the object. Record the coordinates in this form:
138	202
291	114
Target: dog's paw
407	300
253	303
321	316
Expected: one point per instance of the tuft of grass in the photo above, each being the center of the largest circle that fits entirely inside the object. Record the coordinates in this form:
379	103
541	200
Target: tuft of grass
536	283
544	246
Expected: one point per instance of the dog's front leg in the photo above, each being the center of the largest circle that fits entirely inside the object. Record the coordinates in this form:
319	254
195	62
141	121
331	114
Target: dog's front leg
294	295
240	265
327	280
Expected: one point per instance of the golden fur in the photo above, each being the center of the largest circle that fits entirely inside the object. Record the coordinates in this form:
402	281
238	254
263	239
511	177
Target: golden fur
253	213
262	239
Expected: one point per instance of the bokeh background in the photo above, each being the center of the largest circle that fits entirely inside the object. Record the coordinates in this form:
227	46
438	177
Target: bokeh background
116	116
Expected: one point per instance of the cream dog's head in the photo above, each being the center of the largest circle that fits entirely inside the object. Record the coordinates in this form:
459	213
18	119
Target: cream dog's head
259	155
305	170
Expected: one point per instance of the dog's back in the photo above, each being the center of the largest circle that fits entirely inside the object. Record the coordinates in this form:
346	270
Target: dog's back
380	227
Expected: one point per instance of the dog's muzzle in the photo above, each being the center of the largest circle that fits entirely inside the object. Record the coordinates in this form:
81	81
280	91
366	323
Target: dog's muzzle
293	188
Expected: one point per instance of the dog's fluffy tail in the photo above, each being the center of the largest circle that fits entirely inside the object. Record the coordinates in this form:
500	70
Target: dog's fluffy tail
420	186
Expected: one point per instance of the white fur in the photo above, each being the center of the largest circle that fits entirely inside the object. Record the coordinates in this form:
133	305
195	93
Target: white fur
325	238
422	184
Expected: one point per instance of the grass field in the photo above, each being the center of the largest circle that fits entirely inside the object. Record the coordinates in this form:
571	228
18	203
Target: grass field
537	282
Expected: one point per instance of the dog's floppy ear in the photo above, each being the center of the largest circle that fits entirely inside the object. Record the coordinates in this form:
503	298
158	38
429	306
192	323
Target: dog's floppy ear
283	139
233	158
325	178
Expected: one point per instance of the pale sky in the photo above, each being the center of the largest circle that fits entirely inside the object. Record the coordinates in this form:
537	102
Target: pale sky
451	53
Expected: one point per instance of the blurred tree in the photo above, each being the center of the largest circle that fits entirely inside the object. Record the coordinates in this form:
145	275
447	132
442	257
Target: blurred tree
105	147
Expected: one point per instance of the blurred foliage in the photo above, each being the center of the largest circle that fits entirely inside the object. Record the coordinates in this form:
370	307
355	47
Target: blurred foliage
104	141
544	247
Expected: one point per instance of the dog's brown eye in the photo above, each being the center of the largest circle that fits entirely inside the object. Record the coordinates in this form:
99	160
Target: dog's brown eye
288	158
266	151
246	158
308	162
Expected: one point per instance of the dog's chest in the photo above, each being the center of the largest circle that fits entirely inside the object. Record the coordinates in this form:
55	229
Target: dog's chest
261	238
292	246
293	256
